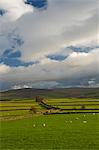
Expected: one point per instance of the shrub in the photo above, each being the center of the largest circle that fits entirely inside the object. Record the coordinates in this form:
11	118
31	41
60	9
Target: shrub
33	110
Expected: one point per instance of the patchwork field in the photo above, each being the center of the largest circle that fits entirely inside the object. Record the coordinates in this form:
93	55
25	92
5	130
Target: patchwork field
14	109
11	110
53	124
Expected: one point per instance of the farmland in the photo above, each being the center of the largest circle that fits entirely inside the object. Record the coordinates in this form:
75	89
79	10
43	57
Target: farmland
13	109
61	132
73	124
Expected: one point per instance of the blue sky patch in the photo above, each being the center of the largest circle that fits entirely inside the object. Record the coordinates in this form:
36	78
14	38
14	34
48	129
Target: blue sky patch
9	53
57	57
15	62
11	58
2	12
37	3
82	49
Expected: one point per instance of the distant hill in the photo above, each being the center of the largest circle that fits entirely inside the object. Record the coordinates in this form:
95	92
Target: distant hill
50	93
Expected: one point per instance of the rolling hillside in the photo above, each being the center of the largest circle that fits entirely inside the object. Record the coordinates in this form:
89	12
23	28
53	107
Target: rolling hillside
50	93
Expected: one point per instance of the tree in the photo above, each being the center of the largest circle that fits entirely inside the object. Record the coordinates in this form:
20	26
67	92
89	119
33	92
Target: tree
39	99
33	110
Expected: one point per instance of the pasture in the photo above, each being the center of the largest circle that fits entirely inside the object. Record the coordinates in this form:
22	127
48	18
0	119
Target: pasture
13	109
61	132
22	129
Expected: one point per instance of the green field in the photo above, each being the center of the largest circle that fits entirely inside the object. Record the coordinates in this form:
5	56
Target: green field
63	132
12	109
15	108
73	125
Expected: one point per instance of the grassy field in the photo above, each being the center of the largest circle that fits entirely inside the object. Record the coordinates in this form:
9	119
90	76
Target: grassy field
22	129
61	132
14	108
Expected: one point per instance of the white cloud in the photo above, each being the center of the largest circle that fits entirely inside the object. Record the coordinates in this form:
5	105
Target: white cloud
73	68
4	69
44	32
63	23
40	85
14	9
21	86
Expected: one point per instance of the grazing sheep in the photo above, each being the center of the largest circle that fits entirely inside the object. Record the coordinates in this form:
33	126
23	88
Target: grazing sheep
77	118
84	121
34	125
44	125
93	113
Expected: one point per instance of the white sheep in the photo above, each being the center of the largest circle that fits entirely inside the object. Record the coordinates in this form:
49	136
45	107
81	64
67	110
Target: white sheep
34	125
44	124
77	118
84	121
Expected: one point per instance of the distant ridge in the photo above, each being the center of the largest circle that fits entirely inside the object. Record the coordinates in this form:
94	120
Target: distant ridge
30	93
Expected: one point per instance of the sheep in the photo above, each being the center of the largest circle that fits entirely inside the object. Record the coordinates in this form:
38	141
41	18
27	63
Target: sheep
34	125
84	121
44	124
93	113
77	118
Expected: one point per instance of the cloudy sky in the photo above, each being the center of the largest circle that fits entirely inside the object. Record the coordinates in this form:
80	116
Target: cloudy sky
49	43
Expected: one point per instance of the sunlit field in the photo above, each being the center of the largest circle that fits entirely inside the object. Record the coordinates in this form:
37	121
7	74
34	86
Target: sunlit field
22	129
69	131
12	109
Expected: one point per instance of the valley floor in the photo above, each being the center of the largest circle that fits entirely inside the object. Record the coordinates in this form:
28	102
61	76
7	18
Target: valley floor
51	132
